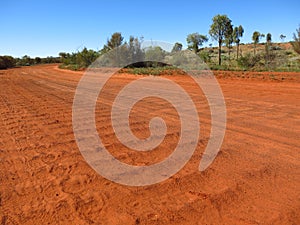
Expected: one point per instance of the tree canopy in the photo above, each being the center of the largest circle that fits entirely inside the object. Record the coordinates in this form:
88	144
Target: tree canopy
219	29
195	40
237	34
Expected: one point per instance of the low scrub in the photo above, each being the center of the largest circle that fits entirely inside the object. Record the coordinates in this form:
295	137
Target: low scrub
156	71
249	61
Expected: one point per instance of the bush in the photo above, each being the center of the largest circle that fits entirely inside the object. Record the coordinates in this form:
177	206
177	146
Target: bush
156	71
248	61
275	48
74	67
7	62
204	55
78	60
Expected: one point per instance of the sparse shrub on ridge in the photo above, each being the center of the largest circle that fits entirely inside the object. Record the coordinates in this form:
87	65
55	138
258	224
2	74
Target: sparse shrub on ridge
249	61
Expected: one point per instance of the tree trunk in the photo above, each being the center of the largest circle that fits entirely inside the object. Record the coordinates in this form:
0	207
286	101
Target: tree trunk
237	51
220	45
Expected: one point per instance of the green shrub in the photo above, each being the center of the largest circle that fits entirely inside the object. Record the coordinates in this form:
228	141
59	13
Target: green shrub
248	61
7	62
204	55
74	67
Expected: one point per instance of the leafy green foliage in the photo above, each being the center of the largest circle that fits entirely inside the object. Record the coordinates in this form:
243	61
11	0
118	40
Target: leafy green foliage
205	56
135	52
219	29
195	40
116	53
115	41
156	71
81	59
155	54
229	39
237	34
86	57
256	38
7	62
146	60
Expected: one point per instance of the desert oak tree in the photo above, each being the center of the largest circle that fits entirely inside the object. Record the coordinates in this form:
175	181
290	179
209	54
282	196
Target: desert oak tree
195	40
219	29
237	34
256	38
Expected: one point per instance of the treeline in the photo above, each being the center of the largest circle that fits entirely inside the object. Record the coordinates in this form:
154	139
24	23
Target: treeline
78	60
127	52
7	62
10	62
226	34
221	30
130	50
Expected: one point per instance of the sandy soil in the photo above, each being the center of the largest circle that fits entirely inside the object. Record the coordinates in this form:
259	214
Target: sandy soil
255	178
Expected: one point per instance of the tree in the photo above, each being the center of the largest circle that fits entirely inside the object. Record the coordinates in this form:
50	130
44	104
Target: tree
26	61
218	30
37	60
268	44
282	37
237	34
155	54
135	51
86	57
296	42
229	39
116	53
104	50
115	41
195	40
177	47
62	55
256	38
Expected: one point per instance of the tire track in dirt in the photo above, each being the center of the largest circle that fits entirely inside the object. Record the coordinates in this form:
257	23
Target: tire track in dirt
44	179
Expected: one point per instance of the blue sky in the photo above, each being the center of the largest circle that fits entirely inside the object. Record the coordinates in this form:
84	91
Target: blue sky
43	28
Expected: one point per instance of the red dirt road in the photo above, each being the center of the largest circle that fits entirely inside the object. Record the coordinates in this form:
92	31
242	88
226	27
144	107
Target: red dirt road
44	179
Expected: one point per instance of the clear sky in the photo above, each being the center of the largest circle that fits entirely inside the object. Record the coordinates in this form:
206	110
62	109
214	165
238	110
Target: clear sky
44	28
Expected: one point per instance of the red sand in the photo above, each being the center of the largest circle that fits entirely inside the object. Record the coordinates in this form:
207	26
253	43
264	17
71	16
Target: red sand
255	178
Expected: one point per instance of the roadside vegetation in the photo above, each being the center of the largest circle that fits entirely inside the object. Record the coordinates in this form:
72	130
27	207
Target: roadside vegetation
230	53
10	62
